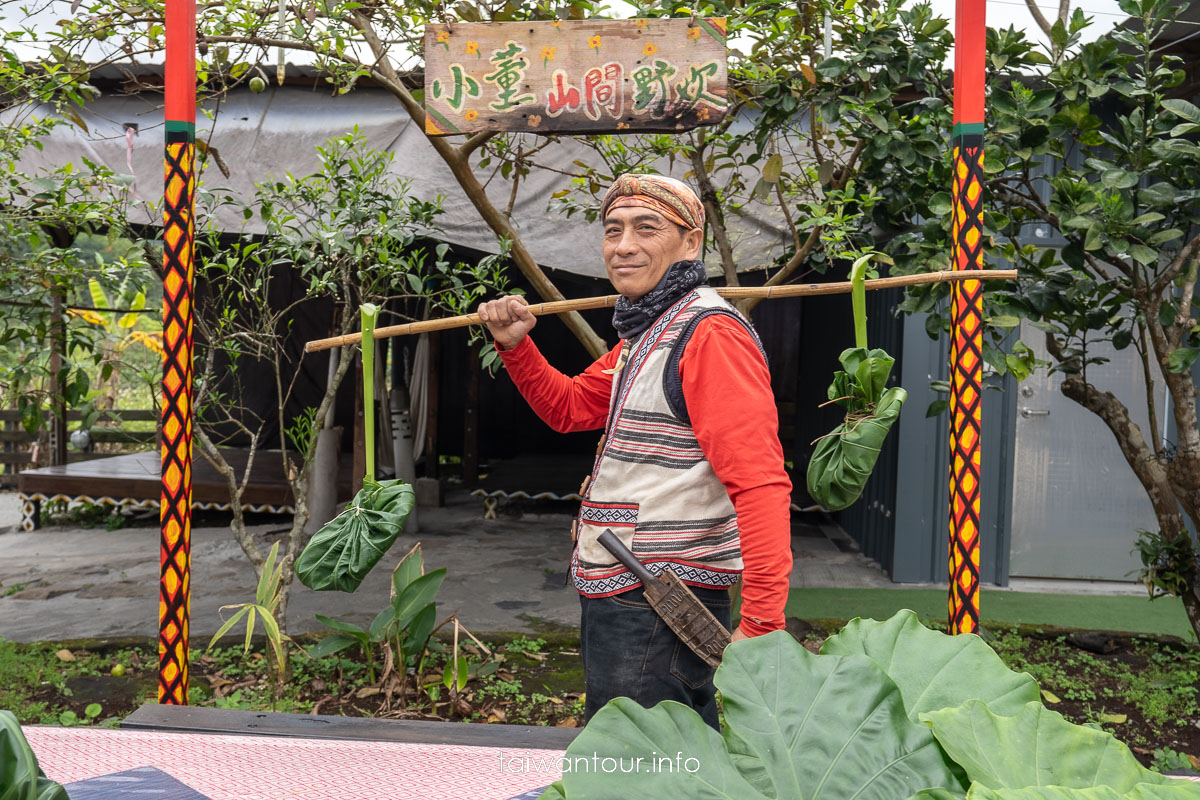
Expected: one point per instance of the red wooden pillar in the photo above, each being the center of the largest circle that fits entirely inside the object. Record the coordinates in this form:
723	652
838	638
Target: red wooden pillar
966	354
179	236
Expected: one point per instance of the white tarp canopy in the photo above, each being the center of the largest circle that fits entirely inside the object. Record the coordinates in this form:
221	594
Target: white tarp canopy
266	135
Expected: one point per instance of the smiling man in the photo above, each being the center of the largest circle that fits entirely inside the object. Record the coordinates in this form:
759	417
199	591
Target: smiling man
689	473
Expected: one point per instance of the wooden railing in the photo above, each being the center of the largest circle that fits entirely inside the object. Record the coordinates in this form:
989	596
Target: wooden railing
16	444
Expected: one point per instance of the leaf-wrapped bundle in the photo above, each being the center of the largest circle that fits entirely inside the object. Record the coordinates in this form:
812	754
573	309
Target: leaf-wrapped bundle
345	549
843	460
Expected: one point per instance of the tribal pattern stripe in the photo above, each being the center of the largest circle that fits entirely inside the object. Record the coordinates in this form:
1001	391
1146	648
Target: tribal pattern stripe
175	508
966	364
623	579
616	515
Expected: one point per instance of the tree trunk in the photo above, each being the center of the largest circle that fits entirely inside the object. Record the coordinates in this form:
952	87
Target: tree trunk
1150	472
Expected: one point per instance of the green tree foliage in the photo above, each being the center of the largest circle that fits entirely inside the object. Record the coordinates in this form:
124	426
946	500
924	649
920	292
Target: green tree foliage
1093	154
62	232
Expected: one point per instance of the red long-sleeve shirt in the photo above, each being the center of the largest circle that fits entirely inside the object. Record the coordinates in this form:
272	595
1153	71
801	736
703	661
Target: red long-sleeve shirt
727	388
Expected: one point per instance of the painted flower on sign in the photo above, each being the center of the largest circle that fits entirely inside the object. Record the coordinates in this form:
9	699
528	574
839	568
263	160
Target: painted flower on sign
693	32
595	43
702	112
649	49
547	55
471	115
443	38
642	23
535	120
473	49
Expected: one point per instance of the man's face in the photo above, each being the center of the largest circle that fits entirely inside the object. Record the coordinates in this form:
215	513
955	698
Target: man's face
639	246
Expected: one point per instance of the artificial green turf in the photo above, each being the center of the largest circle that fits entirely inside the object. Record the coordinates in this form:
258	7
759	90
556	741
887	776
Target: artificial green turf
1132	614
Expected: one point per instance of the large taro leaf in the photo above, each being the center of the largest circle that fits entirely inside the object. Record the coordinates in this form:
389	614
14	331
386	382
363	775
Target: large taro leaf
621	752
20	776
1179	790
1036	747
808	727
933	670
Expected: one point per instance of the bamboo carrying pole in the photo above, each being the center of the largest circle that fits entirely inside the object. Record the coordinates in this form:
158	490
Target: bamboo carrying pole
607	301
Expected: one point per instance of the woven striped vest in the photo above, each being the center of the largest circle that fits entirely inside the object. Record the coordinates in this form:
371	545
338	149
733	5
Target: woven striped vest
651	484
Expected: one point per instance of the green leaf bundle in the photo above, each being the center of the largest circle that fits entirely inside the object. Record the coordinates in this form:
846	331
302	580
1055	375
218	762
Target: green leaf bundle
345	549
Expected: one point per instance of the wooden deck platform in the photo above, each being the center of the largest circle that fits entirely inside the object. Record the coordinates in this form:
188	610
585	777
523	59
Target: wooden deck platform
199	719
134	480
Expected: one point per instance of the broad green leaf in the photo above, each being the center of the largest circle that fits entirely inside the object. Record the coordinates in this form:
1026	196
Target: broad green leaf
1036	747
1183	109
411	567
329	645
628	751
933	670
1118	178
379	624
1178	790
99	299
1143	254
554	791
1005	321
1161	237
338	625
824	727
773	168
416	596
940	203
419	630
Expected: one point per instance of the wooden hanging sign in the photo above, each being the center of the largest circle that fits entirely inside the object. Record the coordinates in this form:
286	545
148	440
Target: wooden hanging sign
587	76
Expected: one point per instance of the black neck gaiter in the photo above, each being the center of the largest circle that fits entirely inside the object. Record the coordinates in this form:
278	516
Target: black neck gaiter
632	317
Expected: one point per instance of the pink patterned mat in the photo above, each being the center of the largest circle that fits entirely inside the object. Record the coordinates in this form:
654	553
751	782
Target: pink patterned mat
277	768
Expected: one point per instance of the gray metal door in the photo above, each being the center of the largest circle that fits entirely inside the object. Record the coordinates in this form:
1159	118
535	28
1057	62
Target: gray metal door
1076	505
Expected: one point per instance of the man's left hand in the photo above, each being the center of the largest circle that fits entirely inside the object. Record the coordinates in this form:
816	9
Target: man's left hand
738	635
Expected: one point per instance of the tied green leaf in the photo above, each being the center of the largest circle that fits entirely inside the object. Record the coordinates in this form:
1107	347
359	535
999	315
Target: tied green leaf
344	550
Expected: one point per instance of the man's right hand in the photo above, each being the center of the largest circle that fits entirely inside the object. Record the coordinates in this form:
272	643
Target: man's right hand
507	319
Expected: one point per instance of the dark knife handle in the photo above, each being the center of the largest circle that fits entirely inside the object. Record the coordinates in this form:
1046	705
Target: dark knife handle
622	553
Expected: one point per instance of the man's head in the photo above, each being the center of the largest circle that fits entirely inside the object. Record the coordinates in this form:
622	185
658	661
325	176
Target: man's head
650	222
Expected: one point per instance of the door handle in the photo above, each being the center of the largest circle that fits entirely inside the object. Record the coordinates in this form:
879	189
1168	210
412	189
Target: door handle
1035	412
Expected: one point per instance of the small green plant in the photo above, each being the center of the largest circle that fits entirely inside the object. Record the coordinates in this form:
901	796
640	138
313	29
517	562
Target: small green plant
1168	760
266	601
522	644
69	718
16	587
405	623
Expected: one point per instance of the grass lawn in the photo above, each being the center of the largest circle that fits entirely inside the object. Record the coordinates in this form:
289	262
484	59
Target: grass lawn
1132	614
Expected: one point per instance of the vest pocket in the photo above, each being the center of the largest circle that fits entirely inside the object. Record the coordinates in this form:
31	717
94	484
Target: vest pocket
594	518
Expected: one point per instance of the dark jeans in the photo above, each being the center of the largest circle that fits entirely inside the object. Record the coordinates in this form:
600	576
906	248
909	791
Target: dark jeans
628	651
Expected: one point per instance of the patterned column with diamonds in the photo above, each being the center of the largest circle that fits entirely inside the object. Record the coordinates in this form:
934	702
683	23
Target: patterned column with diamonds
175	511
966	341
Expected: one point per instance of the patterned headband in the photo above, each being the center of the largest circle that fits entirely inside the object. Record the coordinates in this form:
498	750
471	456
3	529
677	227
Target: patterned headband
674	199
